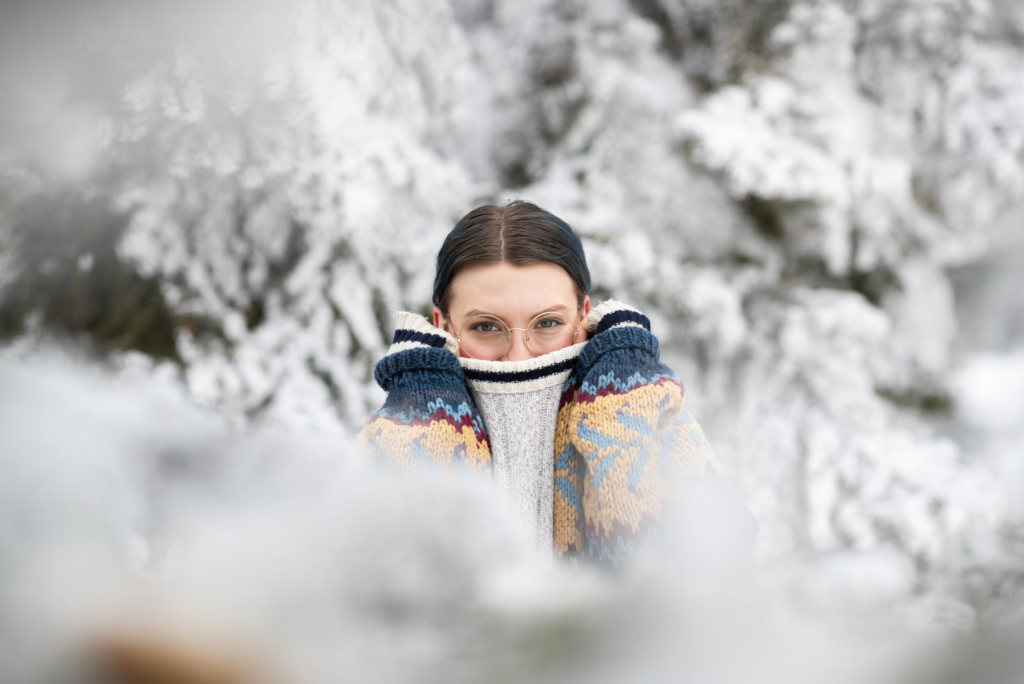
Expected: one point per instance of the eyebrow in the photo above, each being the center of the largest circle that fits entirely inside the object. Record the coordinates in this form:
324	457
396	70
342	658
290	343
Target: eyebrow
478	312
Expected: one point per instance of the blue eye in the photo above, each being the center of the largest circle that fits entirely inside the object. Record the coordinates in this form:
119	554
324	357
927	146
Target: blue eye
547	323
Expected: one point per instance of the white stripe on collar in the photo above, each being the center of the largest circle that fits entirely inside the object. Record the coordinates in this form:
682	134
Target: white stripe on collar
415	323
513	377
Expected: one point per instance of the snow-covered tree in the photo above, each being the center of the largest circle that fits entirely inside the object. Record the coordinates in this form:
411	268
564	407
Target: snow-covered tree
781	184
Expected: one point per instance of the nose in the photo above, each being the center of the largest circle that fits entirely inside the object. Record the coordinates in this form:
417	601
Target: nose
518	350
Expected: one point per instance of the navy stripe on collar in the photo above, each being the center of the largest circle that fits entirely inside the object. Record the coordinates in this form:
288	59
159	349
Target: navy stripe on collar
520	376
622	316
429	339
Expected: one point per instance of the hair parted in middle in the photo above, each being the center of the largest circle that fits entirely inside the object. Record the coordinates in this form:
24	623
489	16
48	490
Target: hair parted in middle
519	233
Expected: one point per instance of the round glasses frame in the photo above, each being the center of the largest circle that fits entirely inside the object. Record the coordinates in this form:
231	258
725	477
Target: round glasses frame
508	336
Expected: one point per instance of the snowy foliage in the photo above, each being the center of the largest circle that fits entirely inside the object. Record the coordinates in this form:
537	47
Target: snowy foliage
780	184
169	549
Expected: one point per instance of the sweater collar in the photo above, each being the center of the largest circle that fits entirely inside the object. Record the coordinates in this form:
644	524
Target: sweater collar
512	377
612	325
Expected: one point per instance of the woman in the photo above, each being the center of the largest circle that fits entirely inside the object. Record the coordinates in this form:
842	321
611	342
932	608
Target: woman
567	407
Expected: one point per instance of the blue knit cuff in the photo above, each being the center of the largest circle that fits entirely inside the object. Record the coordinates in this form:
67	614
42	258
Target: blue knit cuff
426	367
613	339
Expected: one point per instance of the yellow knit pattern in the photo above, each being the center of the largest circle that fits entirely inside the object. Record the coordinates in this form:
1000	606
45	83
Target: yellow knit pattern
619	452
418	448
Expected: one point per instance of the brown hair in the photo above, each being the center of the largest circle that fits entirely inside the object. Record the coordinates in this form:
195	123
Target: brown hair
519	233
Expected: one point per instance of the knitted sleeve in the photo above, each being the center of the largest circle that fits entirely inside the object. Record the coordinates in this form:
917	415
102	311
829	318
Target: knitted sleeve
429	420
624	433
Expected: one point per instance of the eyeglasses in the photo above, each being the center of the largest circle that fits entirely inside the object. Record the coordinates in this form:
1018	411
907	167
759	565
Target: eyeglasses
488	338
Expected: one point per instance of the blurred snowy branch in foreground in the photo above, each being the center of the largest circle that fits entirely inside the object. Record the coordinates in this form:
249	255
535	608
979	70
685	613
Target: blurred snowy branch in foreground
813	199
143	542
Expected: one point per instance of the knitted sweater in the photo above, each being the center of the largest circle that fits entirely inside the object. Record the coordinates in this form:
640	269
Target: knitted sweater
518	401
621	431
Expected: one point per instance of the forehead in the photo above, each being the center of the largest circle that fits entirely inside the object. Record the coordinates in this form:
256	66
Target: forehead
506	290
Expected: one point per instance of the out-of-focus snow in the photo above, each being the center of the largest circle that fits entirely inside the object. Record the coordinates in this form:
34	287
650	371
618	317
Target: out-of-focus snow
146	526
991	390
782	186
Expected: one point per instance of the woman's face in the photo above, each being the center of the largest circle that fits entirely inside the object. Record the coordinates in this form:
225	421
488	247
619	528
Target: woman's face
515	294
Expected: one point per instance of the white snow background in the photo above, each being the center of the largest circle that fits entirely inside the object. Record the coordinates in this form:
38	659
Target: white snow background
210	211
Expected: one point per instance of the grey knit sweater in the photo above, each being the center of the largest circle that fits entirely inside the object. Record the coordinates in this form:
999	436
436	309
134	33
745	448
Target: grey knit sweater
518	401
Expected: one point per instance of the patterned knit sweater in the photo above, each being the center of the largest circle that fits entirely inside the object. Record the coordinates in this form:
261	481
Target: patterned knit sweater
518	401
621	431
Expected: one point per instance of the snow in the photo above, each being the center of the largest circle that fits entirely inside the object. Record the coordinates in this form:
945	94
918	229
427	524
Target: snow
146	520
991	389
787	213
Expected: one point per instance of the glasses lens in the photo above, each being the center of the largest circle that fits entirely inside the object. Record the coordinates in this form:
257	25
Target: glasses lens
550	332
484	337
